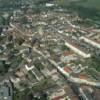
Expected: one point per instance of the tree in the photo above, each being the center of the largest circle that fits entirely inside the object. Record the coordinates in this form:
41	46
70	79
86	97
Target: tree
24	20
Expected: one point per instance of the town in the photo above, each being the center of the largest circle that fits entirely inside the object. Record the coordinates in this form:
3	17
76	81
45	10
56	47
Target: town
53	54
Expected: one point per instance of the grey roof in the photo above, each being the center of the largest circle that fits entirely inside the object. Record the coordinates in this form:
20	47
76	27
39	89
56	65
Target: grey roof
5	93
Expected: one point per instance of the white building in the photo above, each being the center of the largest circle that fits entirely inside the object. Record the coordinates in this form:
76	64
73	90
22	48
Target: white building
93	43
76	50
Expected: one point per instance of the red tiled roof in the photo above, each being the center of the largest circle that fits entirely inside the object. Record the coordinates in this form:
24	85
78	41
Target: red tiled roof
74	98
67	69
83	77
67	53
58	98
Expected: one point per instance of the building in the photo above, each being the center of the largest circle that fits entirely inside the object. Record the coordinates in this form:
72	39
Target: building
68	56
6	91
78	51
58	95
93	43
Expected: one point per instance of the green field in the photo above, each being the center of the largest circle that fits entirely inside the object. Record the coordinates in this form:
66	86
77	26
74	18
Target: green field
85	3
90	3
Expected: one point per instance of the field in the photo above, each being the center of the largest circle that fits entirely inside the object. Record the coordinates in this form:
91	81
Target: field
91	4
84	3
